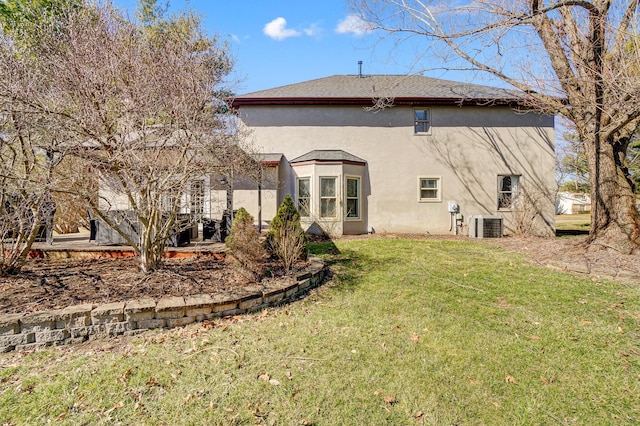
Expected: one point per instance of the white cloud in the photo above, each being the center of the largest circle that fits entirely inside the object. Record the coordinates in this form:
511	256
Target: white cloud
277	29
353	24
313	30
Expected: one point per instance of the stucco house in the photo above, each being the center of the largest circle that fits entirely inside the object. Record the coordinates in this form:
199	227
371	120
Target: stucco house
436	156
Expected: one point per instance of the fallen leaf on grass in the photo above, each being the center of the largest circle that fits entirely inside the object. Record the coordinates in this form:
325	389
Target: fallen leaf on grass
390	400
585	321
264	376
502	302
535	338
418	415
415	338
472	380
125	376
544	380
208	324
115	407
511	379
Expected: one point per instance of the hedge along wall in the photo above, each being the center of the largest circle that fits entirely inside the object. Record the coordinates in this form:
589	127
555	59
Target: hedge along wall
76	324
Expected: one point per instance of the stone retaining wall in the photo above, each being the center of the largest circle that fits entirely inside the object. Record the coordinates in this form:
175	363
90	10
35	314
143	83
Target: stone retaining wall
76	324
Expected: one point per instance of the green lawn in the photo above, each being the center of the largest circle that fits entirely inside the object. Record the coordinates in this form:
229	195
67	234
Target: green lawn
573	223
408	332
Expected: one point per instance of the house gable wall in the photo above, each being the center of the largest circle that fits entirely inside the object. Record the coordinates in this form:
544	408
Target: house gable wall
466	149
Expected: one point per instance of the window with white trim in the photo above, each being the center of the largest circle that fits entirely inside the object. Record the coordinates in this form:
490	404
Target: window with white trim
304	196
328	197
352	197
422	121
429	189
507	190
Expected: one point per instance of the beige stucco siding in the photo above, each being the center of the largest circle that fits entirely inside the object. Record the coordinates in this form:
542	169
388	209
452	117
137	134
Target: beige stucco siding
467	148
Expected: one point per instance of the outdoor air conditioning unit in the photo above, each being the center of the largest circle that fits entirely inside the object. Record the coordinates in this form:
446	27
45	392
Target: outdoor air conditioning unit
485	226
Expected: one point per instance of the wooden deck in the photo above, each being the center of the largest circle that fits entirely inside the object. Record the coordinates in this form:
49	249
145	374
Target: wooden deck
78	246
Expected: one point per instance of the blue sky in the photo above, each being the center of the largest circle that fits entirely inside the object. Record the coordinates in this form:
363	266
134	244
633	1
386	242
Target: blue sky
279	42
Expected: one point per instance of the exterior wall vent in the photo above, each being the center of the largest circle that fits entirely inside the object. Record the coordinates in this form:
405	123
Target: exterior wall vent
485	226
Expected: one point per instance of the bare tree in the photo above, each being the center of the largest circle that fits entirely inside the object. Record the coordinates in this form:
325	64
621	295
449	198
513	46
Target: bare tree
29	153
26	207
141	109
577	58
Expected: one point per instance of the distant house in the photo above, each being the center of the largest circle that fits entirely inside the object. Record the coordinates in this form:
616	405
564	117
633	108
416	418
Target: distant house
572	203
435	146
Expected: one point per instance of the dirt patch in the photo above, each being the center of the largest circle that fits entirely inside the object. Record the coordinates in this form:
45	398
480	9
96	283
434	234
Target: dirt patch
571	254
54	284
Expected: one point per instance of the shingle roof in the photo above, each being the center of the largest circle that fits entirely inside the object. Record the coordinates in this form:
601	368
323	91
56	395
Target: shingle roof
355	89
269	156
269	159
328	155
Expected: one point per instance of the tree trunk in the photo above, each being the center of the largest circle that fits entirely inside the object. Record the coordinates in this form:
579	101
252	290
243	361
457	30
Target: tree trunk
151	247
615	222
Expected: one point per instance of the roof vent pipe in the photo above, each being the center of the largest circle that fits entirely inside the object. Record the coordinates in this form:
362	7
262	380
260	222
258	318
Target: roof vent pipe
360	69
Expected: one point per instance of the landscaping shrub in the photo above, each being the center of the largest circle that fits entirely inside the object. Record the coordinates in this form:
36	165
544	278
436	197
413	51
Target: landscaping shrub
286	239
244	243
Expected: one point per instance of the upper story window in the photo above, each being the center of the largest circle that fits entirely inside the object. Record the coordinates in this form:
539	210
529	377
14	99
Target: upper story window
422	121
304	196
429	189
507	190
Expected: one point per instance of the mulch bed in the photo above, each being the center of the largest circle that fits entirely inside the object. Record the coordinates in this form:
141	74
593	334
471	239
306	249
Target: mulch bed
54	284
